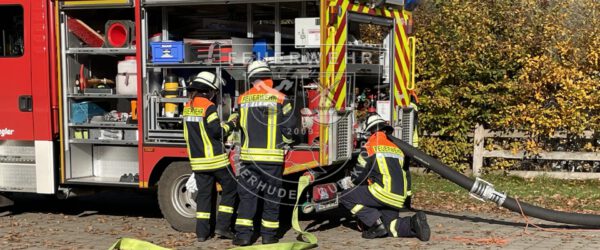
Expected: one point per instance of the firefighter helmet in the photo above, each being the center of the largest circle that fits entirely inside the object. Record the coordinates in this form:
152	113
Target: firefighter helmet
205	79
258	68
375	123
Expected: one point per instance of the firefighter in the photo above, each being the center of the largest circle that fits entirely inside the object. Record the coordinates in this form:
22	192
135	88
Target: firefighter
204	135
377	202
266	120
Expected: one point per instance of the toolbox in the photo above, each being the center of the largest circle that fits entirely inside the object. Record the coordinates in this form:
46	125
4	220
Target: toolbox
82	111
167	52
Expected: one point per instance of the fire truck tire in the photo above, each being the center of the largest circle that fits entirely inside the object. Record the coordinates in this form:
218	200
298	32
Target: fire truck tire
176	204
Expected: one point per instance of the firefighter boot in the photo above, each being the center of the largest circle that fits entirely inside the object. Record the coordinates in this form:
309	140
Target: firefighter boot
419	226
269	240
238	241
225	234
376	231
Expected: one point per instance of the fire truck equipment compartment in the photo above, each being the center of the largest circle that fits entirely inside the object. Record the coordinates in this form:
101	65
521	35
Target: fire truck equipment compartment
167	52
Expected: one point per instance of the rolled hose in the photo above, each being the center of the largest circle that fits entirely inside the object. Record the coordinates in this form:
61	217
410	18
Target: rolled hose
507	202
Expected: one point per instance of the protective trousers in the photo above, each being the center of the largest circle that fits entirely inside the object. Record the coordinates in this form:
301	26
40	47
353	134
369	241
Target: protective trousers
368	209
205	180
259	180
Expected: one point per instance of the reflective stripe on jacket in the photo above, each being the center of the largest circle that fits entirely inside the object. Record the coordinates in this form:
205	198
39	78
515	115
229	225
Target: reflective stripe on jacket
266	120
381	161
204	135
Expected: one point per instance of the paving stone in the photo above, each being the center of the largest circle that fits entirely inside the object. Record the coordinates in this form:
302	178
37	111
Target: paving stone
51	225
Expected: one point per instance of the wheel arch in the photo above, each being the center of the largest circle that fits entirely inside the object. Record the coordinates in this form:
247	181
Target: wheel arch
160	167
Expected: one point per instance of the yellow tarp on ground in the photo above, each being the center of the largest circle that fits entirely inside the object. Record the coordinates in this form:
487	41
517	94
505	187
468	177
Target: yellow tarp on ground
133	244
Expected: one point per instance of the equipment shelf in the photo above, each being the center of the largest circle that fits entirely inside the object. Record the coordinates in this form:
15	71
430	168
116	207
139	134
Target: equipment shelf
365	68
97	180
193	65
101	51
105	142
173	100
95	5
352	47
103	125
109	96
170	119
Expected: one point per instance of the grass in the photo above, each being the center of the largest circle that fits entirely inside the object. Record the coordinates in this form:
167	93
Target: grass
567	195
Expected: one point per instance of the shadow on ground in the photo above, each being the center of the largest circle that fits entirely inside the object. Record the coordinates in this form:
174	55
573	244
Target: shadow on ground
113	202
478	219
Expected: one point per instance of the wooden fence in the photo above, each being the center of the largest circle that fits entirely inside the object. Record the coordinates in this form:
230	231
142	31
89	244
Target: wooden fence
479	153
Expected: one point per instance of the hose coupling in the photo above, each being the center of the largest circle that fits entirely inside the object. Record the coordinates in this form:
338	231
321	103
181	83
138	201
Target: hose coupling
484	191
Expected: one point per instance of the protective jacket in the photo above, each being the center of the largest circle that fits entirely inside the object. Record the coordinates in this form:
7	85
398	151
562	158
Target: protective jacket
381	163
204	135
266	120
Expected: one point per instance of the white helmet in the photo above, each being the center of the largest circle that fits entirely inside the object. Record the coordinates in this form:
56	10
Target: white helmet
258	67
206	78
374	121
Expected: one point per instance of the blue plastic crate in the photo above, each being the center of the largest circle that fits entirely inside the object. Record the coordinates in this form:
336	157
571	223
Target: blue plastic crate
167	52
261	49
81	112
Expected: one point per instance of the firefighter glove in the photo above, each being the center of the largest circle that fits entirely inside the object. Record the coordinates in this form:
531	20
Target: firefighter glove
190	185
346	183
233	117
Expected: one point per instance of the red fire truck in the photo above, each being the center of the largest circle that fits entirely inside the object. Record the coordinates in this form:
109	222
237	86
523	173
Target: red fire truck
92	89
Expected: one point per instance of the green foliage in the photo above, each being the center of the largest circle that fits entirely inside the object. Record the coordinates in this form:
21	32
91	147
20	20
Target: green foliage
449	152
510	65
434	192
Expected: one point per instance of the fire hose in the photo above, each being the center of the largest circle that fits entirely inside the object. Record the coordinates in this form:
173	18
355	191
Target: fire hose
309	240
485	191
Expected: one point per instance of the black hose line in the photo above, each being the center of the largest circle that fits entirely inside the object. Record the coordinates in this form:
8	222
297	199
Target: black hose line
487	192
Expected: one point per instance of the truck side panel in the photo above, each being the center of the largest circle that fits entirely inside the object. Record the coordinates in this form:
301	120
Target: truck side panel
16	123
27	156
40	69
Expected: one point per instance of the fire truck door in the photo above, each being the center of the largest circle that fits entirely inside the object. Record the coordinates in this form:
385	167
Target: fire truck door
16	103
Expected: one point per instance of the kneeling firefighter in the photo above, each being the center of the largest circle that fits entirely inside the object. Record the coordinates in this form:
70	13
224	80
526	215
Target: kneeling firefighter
377	202
204	135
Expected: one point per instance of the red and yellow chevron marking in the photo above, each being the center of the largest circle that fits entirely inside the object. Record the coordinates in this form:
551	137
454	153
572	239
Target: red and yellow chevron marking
333	69
401	61
336	56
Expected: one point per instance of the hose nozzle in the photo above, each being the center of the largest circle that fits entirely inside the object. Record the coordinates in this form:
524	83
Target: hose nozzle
484	191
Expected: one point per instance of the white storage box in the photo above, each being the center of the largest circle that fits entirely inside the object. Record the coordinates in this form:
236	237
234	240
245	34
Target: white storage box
308	33
127	76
